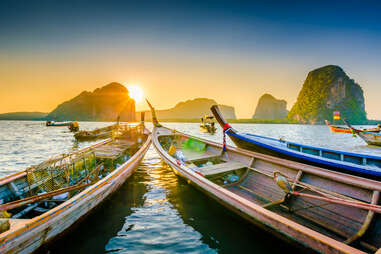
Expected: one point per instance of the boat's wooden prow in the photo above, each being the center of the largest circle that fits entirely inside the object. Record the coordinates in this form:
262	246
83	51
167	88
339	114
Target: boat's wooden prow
17	223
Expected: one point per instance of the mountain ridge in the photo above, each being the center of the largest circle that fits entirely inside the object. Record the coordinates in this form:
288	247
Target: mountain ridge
192	109
103	104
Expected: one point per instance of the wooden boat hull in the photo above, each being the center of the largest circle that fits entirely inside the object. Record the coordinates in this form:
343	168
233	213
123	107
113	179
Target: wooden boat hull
28	235
340	129
100	133
93	137
253	212
59	124
334	128
358	164
370	138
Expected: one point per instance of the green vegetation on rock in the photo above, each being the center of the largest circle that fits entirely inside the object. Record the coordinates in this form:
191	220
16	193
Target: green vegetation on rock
325	90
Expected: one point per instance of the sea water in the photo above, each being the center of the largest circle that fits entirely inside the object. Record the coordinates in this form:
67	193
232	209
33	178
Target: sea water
155	211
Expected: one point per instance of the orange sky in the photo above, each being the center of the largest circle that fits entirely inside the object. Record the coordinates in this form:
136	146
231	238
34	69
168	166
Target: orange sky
38	81
233	53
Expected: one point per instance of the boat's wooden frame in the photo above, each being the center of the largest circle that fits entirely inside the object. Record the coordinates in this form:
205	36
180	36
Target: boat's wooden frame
313	233
27	235
369	137
341	129
100	133
353	163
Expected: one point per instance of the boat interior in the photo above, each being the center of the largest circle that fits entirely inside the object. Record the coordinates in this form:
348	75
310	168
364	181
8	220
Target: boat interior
269	182
42	187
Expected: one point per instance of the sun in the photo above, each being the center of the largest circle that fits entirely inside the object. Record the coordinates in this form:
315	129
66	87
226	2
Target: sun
135	92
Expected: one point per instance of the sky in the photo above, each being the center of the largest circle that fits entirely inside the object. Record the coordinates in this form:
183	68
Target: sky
230	51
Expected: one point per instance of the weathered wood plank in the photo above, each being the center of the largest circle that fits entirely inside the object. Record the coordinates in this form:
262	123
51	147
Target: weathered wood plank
221	168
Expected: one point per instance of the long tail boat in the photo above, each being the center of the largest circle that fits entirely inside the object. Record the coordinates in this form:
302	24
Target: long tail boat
58	124
369	137
335	128
100	133
322	210
41	202
207	124
347	162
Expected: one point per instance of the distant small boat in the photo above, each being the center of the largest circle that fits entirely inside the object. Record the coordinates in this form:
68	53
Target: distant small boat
100	133
207	124
353	163
335	128
323	210
58	124
370	138
74	127
45	200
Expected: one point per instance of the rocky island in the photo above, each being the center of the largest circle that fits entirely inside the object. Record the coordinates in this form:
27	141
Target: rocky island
192	109
325	90
103	104
270	108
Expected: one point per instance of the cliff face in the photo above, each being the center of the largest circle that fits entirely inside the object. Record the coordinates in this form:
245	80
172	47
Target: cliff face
103	104
192	109
270	108
325	90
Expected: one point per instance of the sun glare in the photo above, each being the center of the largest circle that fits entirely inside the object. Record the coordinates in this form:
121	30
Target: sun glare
135	92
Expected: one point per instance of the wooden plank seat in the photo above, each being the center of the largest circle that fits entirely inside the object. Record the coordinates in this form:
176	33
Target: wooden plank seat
112	152
221	168
108	154
192	156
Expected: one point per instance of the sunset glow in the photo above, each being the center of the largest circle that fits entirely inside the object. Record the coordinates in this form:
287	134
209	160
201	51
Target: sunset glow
136	92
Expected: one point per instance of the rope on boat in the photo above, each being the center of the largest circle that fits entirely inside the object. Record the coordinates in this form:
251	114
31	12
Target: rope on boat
284	184
226	128
356	204
327	196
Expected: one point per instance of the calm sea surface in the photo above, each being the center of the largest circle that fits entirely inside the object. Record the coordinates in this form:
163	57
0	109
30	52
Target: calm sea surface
155	211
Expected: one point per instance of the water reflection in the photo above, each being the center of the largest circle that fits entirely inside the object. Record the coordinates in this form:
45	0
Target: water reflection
156	226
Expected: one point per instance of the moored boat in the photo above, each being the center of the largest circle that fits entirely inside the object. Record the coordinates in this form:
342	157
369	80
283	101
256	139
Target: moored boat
207	124
100	133
74	127
354	163
369	137
43	201
323	210
335	128
58	124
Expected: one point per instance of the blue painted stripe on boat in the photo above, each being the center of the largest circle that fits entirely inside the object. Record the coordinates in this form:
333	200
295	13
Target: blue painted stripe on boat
372	133
320	148
309	158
